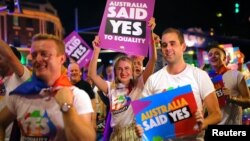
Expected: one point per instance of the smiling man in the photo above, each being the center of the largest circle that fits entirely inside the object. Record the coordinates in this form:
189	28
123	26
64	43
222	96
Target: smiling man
47	107
235	87
178	73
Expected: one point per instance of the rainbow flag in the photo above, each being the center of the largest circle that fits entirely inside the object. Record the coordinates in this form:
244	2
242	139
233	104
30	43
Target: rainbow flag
34	85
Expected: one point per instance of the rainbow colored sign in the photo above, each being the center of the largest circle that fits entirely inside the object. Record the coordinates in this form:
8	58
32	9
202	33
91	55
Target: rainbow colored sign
167	115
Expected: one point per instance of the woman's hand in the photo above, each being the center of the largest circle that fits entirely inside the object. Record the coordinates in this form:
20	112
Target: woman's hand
96	44
152	23
138	130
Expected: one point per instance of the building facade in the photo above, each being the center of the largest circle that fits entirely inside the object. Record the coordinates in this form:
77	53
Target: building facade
38	16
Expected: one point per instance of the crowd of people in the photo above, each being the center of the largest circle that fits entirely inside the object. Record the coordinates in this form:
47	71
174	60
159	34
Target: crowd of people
54	102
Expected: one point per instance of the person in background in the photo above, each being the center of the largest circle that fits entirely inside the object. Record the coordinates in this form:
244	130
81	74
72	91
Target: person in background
63	111
240	58
235	87
178	73
122	90
138	65
100	110
12	74
138	60
75	76
109	73
108	76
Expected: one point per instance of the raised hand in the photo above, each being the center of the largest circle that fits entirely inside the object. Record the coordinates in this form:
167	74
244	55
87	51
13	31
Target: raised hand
96	44
152	23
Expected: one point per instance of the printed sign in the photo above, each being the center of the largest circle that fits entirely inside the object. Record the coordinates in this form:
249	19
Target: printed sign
236	52
218	85
124	26
229	49
78	49
167	115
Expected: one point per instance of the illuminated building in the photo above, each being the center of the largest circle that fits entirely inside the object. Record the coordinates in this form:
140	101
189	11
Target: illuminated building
38	16
17	28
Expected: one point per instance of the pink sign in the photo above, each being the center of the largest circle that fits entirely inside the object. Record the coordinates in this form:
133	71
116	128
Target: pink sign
78	49
124	26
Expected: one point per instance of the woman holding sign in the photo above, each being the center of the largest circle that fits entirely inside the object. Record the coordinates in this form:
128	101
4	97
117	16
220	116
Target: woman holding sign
122	90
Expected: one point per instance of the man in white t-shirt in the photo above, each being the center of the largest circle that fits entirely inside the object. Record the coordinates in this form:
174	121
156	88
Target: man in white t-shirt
12	74
234	86
179	73
49	107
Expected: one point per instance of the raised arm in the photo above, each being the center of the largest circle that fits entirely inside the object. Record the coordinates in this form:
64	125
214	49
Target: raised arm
13	61
152	52
98	81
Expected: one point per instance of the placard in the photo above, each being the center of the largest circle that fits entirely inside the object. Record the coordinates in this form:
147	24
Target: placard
167	115
78	49
124	26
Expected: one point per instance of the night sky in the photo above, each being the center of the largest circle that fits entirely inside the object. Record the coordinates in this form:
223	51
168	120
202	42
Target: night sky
230	28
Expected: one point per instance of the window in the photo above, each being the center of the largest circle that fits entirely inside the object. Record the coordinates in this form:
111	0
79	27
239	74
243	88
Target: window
50	28
15	21
29	22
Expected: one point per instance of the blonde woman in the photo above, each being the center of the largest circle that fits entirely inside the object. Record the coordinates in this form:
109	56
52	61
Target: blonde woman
122	90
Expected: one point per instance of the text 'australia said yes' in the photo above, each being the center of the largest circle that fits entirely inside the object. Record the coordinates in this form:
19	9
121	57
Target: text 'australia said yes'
175	111
126	19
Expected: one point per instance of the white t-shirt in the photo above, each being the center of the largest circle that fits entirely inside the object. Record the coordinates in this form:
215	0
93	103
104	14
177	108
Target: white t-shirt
40	118
10	83
121	109
199	80
232	113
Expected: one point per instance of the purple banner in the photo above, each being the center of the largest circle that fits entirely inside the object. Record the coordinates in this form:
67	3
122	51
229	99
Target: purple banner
124	26
78	49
